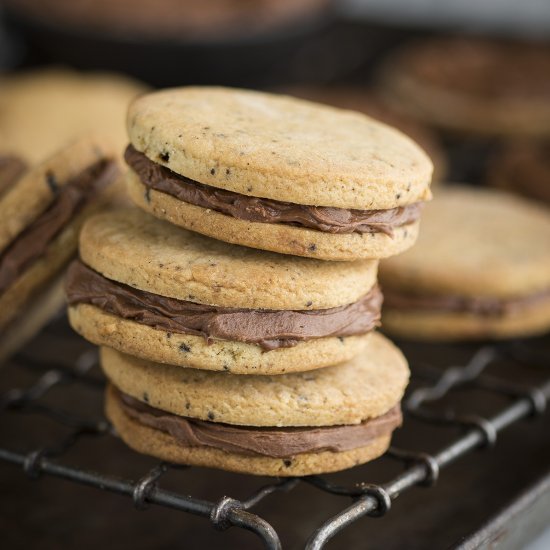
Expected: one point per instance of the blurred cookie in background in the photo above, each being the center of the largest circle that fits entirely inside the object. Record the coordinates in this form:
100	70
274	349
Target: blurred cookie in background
11	169
175	42
522	167
480	269
40	217
166	19
473	86
42	110
365	101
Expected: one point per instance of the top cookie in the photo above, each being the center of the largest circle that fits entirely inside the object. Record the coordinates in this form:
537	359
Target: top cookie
476	243
136	249
280	148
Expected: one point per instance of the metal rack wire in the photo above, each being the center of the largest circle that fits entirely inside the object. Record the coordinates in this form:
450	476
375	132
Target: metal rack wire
373	500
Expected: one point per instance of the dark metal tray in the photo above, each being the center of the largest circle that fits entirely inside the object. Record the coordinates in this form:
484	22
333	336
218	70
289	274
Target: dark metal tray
471	466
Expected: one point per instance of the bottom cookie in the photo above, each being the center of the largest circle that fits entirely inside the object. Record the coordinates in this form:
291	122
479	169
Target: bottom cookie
159	444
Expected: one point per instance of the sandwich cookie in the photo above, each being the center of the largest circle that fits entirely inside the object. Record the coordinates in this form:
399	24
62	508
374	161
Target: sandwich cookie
288	425
276	173
491	88
481	269
40	217
151	289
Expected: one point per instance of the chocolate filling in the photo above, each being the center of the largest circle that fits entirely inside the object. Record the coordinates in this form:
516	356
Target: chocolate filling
267	328
488	306
247	440
255	209
32	243
11	169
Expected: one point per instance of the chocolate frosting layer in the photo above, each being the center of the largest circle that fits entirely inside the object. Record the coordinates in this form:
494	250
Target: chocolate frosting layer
479	305
271	442
267	328
11	169
34	240
255	209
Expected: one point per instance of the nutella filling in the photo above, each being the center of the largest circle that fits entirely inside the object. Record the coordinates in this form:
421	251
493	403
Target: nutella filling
267	328
32	243
271	442
488	306
255	209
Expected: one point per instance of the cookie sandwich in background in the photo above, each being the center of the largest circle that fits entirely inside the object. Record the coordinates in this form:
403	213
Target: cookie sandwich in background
480	269
40	217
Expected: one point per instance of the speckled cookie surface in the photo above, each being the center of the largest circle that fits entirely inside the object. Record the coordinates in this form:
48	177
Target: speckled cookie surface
279	147
186	350
37	188
161	445
475	243
136	249
349	393
42	110
281	238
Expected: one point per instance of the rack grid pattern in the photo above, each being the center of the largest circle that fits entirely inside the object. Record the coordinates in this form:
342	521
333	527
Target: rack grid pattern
372	500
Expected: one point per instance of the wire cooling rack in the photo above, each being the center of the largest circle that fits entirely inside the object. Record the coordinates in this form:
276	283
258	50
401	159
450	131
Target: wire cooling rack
429	402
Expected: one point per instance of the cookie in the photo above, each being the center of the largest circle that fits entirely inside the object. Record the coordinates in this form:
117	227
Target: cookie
157	291
480	269
292	424
363	100
492	88
522	167
44	306
276	173
42	110
40	217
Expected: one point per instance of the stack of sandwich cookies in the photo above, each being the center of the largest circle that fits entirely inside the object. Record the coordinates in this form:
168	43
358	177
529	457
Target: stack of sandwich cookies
40	216
480	269
276	173
287	425
150	289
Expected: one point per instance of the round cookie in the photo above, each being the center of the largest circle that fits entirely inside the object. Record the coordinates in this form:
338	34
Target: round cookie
131	250
262	147
355	393
492	88
163	446
41	110
349	393
480	269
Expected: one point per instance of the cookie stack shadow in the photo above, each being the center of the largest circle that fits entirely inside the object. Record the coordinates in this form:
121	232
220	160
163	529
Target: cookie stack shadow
236	308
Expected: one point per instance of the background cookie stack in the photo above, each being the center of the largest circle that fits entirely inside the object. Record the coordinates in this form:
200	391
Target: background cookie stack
305	385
